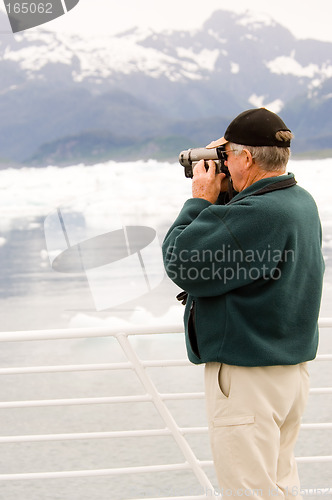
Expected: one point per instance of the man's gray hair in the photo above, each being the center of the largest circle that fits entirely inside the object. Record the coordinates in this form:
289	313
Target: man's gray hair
269	158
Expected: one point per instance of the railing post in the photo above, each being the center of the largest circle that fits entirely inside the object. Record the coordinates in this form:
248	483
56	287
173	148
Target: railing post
164	412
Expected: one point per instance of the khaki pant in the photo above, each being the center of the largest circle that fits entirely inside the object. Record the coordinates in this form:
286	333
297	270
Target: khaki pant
254	418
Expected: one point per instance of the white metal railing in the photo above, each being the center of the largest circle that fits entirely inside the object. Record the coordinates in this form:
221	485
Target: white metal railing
191	462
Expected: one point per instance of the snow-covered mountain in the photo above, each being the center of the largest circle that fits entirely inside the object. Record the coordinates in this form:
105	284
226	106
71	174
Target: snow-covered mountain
142	89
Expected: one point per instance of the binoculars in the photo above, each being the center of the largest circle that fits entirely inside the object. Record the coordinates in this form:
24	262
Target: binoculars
190	157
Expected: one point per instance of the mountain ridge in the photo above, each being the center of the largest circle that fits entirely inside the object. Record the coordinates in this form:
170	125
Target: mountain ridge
142	87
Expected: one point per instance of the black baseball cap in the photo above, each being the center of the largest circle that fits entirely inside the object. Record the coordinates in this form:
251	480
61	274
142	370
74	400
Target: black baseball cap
254	127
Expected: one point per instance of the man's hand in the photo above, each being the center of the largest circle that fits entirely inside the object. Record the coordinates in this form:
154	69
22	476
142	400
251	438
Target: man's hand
206	184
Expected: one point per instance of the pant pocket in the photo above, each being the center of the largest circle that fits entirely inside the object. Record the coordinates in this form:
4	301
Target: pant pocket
224	380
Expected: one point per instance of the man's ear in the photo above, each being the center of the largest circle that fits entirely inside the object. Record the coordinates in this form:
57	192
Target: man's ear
248	159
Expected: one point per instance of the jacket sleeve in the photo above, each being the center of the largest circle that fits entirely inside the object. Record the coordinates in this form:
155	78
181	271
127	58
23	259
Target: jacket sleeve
210	250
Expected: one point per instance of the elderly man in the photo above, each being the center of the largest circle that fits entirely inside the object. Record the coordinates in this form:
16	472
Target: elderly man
253	271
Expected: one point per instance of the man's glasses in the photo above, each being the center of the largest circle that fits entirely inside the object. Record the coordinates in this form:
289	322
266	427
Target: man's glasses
222	153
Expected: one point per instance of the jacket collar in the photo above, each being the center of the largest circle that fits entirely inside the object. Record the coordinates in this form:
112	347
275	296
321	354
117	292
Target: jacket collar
266	185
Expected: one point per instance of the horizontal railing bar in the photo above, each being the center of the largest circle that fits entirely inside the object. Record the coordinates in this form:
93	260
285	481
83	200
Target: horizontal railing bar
125	434
182	395
100	435
160	363
325	322
101	400
72	333
317	459
77	401
206	463
84	436
77	333
129	470
320	390
23	370
317	425
177	396
313	459
95	472
323	357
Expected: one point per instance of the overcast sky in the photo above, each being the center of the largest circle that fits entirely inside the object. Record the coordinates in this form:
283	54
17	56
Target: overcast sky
304	18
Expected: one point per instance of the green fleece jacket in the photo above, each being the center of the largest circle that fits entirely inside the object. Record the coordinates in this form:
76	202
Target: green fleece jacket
253	270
